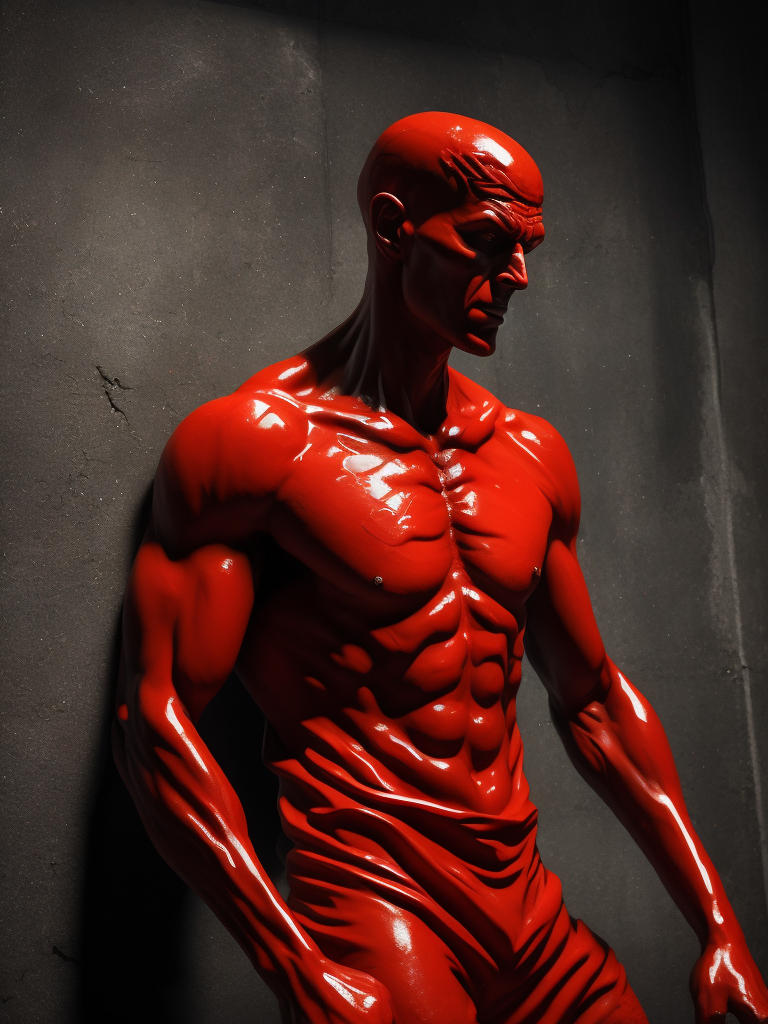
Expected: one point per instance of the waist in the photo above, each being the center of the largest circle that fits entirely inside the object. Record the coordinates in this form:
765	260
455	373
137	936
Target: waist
343	795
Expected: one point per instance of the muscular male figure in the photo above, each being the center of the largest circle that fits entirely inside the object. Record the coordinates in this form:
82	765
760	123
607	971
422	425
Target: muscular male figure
430	536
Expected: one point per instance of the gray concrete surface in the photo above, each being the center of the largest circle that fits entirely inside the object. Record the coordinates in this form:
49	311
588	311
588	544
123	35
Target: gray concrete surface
178	212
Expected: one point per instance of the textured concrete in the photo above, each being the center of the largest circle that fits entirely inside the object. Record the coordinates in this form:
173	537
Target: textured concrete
732	110
165	240
180	212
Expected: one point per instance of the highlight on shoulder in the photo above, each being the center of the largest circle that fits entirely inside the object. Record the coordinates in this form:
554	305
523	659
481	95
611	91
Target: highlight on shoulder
224	464
549	457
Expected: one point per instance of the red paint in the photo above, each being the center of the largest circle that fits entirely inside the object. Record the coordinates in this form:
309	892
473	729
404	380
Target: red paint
434	532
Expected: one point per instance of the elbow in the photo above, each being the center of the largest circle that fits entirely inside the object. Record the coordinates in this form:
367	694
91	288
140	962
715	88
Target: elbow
145	720
587	741
118	749
587	689
586	731
130	754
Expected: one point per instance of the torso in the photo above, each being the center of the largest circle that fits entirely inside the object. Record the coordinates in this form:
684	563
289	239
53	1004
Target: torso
401	624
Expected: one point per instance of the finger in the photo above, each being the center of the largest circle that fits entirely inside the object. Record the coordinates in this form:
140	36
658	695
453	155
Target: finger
708	1011
710	1001
711	1017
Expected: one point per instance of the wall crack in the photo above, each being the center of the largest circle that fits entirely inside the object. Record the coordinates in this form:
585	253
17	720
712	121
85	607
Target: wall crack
110	386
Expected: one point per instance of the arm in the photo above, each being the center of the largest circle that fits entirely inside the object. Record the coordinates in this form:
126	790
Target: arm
617	743
184	623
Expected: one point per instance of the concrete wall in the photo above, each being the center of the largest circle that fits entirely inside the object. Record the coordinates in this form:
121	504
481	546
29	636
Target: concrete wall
179	211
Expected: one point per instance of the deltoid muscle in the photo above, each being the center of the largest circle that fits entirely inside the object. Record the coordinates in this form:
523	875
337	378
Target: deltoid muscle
427	533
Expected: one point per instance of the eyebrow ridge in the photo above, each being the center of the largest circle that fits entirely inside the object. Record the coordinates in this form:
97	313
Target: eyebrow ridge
509	221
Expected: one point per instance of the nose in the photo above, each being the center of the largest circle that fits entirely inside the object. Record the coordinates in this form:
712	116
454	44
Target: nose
515	275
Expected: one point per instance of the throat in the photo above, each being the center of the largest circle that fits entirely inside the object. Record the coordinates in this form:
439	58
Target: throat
389	364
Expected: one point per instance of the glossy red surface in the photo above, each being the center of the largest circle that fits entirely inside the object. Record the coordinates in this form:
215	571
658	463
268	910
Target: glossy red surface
431	534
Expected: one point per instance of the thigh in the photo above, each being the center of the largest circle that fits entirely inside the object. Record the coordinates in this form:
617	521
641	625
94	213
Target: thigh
626	1011
365	931
571	977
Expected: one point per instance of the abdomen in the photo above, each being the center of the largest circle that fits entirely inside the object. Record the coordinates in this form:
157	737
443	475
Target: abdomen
425	696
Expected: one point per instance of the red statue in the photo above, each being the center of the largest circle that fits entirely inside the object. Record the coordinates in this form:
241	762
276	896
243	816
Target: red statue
429	535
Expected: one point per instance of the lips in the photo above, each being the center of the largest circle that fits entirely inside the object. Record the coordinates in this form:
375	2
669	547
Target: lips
486	315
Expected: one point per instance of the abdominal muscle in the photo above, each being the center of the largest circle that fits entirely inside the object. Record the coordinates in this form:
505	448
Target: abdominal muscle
384	795
373	744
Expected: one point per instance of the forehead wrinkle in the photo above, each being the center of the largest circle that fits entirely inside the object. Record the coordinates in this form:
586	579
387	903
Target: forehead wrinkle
520	223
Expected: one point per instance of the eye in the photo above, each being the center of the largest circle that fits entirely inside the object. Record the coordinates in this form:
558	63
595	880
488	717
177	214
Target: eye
489	241
487	238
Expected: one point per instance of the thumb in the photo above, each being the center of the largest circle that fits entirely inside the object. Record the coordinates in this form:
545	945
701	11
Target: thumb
709	1000
709	1017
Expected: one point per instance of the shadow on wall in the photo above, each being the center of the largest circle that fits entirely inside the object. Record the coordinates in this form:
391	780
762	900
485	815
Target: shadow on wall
134	906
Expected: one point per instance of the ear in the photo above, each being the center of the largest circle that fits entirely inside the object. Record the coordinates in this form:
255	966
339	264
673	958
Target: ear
388	224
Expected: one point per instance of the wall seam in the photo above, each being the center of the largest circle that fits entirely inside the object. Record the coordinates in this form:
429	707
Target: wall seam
723	461
326	161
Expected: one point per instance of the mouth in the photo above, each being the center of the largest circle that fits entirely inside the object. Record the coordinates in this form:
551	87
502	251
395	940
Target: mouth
486	314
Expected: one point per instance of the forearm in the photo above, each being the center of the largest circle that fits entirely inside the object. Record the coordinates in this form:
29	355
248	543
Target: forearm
197	823
619	746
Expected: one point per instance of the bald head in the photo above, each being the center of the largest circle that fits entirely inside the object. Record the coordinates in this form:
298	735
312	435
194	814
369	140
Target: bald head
436	161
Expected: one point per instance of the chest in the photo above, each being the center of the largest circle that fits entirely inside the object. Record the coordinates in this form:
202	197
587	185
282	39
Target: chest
402	521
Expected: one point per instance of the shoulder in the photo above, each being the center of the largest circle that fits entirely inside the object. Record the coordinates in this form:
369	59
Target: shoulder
533	440
249	432
550	461
231	453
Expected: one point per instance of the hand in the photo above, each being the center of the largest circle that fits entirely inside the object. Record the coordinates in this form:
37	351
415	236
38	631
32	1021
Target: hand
725	979
339	995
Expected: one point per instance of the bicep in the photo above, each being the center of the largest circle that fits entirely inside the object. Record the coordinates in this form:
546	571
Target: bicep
563	642
184	622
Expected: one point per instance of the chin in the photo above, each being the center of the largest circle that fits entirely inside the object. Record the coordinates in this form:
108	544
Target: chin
479	344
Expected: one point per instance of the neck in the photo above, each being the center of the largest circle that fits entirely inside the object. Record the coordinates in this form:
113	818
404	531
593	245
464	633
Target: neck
385	356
